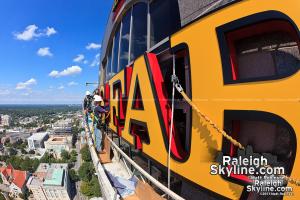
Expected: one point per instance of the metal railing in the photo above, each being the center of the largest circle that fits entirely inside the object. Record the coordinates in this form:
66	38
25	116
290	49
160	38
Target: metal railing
155	182
107	190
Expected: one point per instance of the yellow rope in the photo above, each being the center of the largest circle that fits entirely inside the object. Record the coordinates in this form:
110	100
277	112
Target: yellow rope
228	137
209	121
107	114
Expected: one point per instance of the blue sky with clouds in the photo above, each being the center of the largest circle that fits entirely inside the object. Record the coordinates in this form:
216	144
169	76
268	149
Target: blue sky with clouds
49	49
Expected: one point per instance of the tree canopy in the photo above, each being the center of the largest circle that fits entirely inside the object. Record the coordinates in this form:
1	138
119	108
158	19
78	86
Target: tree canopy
86	171
91	188
85	154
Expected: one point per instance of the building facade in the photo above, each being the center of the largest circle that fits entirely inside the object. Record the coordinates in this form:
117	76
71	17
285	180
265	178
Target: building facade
63	126
37	140
50	182
5	120
56	144
13	136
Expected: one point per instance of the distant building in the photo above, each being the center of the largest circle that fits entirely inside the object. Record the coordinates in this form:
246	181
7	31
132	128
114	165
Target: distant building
14	179
56	144
28	120
50	182
37	140
13	136
5	120
63	126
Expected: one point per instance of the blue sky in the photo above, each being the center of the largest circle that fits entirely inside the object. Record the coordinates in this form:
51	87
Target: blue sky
49	49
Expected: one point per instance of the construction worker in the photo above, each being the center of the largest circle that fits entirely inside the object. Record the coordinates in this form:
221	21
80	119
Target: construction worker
98	112
87	105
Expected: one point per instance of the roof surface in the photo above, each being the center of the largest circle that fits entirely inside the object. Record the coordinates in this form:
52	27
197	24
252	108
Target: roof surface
18	177
38	136
55	177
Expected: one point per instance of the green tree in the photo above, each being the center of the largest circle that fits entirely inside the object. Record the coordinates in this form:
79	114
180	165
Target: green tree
14	161
23	151
2	197
86	171
65	155
26	165
7	143
85	154
73	175
73	153
85	189
74	138
48	158
91	188
35	164
95	187
12	151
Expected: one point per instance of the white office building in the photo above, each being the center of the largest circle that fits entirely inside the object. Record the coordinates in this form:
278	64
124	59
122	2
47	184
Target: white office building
5	120
37	140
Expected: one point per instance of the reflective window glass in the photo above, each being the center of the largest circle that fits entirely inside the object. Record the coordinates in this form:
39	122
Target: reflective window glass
165	20
139	30
115	58
124	49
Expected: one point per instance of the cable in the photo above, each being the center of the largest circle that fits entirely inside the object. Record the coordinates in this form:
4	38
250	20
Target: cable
171	125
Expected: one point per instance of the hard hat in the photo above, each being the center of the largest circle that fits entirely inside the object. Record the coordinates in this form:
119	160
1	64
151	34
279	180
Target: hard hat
97	98
87	93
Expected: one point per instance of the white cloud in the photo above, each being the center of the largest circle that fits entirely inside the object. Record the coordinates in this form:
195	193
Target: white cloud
85	62
79	58
96	60
66	72
72	83
4	92
54	73
61	87
45	51
29	33
50	31
93	46
33	96
26	84
32	31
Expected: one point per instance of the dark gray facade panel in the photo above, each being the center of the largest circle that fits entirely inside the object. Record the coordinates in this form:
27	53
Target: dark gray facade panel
192	9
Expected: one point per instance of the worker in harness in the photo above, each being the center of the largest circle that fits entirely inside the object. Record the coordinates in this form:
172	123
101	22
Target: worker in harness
99	112
87	105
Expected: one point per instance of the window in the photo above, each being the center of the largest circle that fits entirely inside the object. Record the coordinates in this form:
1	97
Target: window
265	49
161	67
165	20
124	49
139	30
132	35
267	134
182	110
271	53
115	58
108	67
